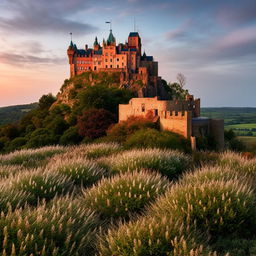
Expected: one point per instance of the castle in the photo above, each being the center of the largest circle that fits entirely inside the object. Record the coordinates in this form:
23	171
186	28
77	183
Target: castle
124	58
179	116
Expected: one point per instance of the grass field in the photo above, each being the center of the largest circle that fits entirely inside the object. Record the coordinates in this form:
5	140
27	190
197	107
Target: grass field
242	126
249	141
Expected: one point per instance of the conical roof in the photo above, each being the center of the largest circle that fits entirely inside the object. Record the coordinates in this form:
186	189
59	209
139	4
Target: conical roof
111	38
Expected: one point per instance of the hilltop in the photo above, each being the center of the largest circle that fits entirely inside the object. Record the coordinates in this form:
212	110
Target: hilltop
12	114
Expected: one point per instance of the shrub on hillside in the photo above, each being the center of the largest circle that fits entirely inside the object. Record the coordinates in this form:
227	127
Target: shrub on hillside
120	131
238	162
102	96
70	136
41	184
152	138
124	194
31	158
215	173
222	208
41	137
65	227
168	162
151	236
96	150
17	143
94	122
80	170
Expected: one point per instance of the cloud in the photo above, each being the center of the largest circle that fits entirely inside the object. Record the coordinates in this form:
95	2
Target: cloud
44	16
17	59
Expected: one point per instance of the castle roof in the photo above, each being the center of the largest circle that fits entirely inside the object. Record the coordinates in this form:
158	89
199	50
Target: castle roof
111	38
133	34
96	41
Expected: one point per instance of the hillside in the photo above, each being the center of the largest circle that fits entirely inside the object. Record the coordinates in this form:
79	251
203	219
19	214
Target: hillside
102	199
12	114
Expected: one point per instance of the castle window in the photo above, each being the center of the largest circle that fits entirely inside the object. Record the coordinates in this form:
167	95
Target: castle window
117	66
95	68
117	59
106	54
110	60
106	60
106	66
110	66
143	107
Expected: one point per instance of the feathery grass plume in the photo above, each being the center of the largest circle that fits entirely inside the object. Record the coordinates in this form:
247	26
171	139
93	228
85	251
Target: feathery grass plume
96	150
11	198
80	170
168	162
10	170
41	184
31	158
124	194
220	207
238	162
65	227
215	173
151	236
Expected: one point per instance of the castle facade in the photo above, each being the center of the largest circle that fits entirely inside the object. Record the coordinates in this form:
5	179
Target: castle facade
125	58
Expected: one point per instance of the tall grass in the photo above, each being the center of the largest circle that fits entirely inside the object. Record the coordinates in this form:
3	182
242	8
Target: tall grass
65	227
80	170
221	208
41	184
124	194
31	158
151	236
7	171
215	173
238	162
168	162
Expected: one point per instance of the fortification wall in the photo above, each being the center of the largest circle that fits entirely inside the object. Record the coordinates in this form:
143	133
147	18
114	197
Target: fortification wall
217	130
178	122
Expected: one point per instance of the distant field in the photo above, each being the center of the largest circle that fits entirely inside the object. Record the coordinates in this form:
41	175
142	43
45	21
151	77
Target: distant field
242	126
249	141
232	116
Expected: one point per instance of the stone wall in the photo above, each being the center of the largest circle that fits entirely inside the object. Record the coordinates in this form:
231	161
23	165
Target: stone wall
178	122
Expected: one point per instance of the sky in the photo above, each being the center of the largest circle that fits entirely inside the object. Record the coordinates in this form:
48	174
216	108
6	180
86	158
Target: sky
213	43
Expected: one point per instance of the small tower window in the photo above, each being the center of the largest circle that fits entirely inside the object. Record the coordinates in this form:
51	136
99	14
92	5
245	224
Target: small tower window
143	107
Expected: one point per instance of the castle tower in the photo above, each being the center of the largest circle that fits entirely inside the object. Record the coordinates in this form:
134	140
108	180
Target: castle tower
96	45
134	41
71	53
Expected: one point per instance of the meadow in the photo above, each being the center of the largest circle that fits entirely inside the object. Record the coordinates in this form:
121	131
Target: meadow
102	199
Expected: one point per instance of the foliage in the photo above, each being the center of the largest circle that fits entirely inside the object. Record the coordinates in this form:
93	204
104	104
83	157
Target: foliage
167	162
124	194
64	228
9	170
94	122
175	91
151	236
13	114
100	96
70	136
152	138
119	132
16	143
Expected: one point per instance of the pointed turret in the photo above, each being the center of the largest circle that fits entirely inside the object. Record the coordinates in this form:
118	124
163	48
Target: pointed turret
96	44
111	38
